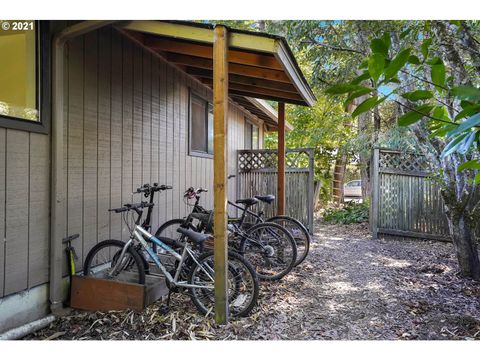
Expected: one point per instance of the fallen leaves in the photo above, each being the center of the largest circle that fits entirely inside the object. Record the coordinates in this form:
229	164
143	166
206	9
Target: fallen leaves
350	287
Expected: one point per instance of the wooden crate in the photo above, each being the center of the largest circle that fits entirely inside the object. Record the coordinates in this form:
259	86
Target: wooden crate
95	294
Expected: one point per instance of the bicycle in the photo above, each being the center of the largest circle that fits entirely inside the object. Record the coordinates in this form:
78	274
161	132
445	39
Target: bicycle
193	271
269	247
71	258
296	228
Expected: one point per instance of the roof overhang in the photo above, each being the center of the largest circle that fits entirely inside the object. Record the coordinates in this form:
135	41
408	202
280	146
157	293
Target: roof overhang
260	65
263	110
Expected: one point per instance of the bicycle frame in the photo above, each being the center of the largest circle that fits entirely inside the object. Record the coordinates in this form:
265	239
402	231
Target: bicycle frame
236	225
140	233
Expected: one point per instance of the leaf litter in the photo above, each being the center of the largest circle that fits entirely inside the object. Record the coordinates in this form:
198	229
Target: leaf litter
350	287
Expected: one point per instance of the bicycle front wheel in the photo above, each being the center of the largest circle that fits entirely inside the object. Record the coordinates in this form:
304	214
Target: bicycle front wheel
298	231
242	285
102	259
271	249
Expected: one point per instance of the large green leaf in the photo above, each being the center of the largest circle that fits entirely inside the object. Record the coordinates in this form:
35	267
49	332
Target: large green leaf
441	112
379	47
438	75
360	78
465	92
397	63
467	111
355	95
435	61
365	106
469	165
418	95
387	40
412	59
344	88
425	45
467	143
375	65
471	122
477	179
453	145
364	64
405	33
413	116
442	131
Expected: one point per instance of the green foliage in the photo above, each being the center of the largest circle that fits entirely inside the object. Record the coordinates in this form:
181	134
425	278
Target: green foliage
365	106
418	95
413	116
460	128
351	213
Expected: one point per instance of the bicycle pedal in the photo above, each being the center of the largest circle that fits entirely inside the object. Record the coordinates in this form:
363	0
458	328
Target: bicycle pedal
164	309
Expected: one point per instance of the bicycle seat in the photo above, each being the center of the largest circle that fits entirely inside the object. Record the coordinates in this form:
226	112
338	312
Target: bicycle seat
248	202
194	236
171	242
205	218
266	198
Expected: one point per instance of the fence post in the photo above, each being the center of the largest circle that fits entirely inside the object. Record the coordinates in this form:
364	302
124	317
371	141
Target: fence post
311	190
374	189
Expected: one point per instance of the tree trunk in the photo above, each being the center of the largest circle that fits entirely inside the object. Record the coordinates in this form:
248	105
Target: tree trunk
465	246
338	177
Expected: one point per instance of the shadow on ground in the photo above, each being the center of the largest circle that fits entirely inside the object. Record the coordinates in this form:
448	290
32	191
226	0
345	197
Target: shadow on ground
350	287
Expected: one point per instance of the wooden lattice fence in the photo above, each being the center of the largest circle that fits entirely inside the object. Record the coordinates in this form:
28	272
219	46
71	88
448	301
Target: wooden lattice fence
406	201
257	175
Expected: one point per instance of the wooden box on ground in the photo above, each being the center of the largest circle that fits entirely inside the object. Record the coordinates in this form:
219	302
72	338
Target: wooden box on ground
96	294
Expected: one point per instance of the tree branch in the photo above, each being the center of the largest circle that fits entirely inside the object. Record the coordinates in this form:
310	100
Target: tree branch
426	115
422	79
333	47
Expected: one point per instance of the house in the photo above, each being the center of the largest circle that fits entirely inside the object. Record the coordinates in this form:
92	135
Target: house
91	110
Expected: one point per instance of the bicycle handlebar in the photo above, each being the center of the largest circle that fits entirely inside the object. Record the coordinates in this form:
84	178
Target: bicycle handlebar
190	193
147	188
128	207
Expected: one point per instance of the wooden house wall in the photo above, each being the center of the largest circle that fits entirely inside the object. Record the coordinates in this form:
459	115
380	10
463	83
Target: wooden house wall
126	124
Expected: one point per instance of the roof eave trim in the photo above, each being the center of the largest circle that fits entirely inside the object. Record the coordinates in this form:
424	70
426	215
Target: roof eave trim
269	111
294	73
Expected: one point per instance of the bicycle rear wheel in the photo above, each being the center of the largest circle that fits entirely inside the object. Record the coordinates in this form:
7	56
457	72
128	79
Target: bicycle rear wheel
298	231
242	285
270	249
102	258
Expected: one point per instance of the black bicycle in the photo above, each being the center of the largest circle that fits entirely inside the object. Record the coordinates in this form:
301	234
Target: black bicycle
295	228
268	246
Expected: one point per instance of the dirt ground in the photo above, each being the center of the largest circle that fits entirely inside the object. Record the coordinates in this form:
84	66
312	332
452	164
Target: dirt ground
350	287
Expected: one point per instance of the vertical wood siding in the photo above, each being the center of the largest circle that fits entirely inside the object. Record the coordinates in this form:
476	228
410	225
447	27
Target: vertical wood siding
126	123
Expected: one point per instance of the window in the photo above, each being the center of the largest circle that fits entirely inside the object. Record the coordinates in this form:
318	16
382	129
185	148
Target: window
18	70
251	136
201	126
25	75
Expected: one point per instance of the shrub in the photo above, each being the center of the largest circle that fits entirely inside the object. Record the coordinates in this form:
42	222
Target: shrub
349	214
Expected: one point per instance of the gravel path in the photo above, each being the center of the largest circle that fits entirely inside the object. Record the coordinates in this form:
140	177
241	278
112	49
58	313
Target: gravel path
350	287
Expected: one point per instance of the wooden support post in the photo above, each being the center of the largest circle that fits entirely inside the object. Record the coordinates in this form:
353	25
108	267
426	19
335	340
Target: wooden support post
375	189
281	160
220	113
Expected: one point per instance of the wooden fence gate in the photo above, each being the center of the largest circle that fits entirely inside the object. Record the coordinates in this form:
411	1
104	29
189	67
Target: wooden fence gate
257	175
406	202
